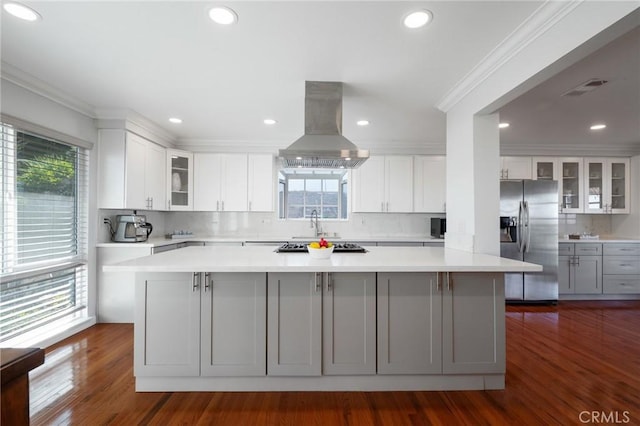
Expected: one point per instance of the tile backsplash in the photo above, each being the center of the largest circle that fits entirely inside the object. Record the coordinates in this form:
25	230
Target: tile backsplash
259	225
596	224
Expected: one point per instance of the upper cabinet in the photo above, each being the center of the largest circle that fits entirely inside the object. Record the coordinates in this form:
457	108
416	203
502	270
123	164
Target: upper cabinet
261	181
220	182
429	184
544	168
571	185
607	189
180	179
132	172
384	184
515	168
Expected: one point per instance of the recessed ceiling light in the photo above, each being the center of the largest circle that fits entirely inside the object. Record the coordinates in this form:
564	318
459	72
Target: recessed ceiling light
175	120
503	125
269	121
223	15
21	11
598	126
362	122
418	19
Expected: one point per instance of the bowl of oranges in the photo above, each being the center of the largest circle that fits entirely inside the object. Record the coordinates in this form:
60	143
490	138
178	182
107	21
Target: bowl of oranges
320	249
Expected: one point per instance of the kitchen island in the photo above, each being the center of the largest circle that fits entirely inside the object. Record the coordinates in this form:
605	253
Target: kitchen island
250	319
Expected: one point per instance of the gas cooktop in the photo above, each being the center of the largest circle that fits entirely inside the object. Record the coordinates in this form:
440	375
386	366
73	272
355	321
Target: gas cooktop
337	248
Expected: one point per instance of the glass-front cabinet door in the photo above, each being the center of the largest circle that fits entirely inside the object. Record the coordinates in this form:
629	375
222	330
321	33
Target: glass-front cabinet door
608	185
594	192
545	168
619	180
570	187
180	168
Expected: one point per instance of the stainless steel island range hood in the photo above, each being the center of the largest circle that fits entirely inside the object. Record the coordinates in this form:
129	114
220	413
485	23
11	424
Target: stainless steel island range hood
322	145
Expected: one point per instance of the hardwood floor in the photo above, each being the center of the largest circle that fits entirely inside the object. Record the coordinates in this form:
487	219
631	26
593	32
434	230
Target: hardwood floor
575	363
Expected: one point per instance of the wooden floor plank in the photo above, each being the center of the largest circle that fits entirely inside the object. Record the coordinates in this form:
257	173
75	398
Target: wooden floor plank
561	360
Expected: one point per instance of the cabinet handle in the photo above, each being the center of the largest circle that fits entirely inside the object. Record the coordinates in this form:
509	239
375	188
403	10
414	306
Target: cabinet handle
318	281
206	282
449	281
382	206
222	205
387	206
249	205
151	203
625	264
577	258
329	281
437	281
196	283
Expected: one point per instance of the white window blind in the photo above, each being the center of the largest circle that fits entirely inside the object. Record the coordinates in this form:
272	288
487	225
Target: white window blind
44	231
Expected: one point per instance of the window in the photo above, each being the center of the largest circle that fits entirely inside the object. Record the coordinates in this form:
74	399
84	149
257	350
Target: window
301	191
44	221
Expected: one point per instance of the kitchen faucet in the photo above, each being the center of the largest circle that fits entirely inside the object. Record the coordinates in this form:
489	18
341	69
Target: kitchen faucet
315	224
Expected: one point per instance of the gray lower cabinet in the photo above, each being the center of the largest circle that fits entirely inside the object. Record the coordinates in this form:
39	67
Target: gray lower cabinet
234	332
432	323
409	323
294	324
167	324
321	324
621	268
349	323
473	326
195	324
580	272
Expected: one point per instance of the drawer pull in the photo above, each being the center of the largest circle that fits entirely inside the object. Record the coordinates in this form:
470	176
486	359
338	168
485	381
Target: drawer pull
625	264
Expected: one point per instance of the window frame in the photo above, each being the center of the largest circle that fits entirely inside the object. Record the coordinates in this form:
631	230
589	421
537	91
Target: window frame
342	176
72	264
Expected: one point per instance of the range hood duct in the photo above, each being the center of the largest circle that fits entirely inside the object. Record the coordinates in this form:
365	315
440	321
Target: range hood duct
322	145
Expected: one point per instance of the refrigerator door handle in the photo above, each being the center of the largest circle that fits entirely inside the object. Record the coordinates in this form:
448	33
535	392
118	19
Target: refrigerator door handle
527	228
520	228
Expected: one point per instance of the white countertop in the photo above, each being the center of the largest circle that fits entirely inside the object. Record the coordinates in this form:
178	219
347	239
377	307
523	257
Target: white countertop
161	241
264	259
602	239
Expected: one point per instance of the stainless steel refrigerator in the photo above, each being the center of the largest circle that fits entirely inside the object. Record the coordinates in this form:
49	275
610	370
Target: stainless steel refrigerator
529	232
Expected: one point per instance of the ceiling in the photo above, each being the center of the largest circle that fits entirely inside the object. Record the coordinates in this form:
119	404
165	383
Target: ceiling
168	59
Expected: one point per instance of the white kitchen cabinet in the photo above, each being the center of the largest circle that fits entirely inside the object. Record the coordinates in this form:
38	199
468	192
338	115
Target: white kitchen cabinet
116	290
515	168
384	184
260	183
429	184
409	323
234	332
473	312
607	189
571	185
180	179
200	324
167	324
220	182
131	172
441	323
544	168
294	324
580	268
349	323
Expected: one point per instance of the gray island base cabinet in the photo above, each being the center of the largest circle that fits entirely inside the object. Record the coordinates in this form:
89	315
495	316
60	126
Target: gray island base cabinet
285	331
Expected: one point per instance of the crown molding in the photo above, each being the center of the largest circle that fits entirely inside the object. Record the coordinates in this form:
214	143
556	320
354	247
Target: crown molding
570	150
130	120
545	17
33	84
